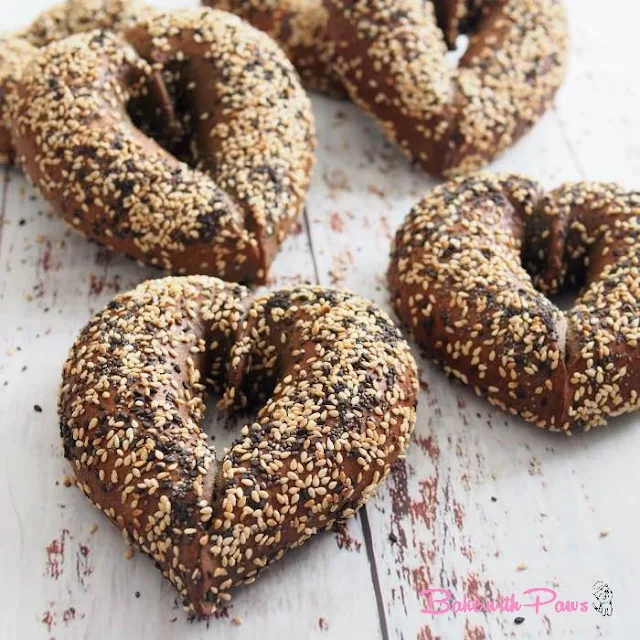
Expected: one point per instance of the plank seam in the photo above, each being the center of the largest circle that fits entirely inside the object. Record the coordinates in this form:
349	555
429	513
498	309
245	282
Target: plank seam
368	540
312	250
3	205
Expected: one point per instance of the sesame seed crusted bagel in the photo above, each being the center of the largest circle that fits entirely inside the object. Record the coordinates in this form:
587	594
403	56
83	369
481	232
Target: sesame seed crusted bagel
60	21
220	194
390	56
339	387
469	271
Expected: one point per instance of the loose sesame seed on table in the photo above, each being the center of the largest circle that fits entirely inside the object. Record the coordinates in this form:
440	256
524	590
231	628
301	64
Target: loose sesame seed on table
483	504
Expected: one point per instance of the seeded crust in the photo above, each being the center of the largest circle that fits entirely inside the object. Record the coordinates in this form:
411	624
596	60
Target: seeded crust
469	271
301	29
459	17
234	109
390	56
78	16
339	388
61	21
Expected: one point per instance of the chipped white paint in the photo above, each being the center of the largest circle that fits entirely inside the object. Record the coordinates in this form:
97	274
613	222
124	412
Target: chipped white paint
555	496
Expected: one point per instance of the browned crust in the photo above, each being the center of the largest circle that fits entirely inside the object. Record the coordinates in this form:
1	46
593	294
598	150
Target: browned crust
300	27
339	389
79	16
469	269
246	121
14	52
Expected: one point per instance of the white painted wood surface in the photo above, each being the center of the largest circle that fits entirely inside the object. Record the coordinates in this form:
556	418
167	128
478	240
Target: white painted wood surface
554	495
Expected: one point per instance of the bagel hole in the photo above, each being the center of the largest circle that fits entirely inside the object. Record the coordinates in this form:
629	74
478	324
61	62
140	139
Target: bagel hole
566	296
563	257
454	55
566	299
163	114
223	426
577	278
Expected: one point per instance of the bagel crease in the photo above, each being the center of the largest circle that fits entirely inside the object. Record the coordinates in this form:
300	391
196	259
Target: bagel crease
389	58
470	268
60	21
338	386
220	193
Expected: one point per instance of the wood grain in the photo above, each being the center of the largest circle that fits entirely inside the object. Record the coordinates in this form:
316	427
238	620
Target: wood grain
479	493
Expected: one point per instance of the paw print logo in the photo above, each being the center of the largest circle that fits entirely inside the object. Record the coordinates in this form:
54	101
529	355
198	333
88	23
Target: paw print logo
603	595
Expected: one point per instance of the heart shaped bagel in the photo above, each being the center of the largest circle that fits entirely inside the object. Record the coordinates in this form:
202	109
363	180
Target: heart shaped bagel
389	56
338	385
193	153
469	271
